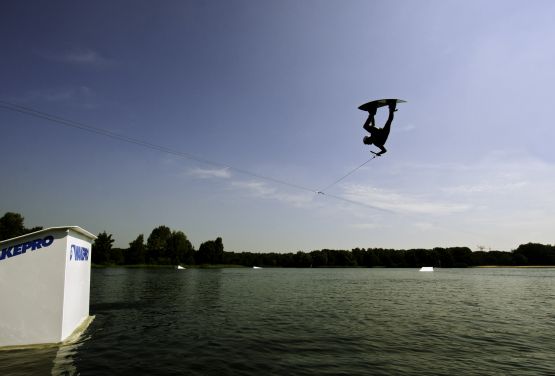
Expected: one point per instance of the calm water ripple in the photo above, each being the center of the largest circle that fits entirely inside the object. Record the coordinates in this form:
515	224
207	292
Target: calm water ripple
309	322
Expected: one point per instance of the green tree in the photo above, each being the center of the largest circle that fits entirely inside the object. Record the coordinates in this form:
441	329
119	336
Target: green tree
210	252
101	248
11	225
446	258
341	258
116	256
536	254
462	256
359	256
156	245
319	258
519	259
136	252
372	259
179	249
303	260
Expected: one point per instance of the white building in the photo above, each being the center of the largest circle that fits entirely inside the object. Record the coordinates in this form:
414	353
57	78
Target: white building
45	278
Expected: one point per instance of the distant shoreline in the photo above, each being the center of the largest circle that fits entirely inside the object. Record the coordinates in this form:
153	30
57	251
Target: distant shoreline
156	266
517	266
223	266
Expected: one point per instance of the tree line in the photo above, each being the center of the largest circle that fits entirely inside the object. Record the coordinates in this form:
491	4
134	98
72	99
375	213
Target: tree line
162	247
453	257
170	247
11	225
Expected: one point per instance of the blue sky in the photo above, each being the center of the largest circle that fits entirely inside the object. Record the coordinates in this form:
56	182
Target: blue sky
272	88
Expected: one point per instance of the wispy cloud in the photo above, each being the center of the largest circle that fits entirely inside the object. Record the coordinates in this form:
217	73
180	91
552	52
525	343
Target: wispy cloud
405	128
80	56
263	190
424	226
252	188
500	175
401	202
504	195
85	57
486	187
204	173
79	94
366	226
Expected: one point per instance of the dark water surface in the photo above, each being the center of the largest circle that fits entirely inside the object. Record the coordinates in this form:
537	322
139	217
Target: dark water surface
309	322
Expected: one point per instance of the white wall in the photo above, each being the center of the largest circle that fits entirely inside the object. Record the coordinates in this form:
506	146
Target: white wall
44	295
77	282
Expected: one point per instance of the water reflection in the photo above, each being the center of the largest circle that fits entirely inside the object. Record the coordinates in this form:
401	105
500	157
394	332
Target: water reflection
27	362
63	363
46	360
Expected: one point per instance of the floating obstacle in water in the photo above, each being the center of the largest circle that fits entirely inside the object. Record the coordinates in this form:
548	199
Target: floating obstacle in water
179	267
427	269
47	277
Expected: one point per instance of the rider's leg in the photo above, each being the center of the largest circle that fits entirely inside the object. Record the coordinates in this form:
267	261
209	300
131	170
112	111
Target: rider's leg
387	126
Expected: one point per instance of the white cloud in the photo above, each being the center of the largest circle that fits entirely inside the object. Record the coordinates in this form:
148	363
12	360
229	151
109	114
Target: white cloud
263	190
366	226
506	181
83	95
84	57
258	188
502	199
405	128
79	56
203	173
401	202
424	226
486	187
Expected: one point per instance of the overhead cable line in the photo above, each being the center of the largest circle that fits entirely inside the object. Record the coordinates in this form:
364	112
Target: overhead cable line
131	140
323	191
103	132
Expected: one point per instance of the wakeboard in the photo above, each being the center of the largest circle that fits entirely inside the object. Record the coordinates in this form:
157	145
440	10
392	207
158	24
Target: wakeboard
370	106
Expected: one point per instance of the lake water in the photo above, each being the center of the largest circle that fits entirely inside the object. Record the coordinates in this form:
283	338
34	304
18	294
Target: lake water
309	322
